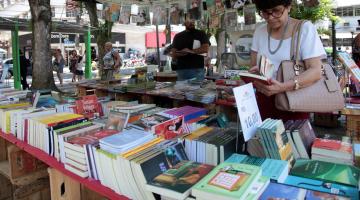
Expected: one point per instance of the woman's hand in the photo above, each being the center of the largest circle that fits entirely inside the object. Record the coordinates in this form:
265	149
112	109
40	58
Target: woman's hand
275	87
254	70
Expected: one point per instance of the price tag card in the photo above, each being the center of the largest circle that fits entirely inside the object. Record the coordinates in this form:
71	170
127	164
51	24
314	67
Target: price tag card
248	110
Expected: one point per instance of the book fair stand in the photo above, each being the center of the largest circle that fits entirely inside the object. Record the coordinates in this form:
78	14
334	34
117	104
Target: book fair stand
143	135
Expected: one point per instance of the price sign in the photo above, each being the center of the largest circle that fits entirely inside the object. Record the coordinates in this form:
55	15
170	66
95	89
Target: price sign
248	110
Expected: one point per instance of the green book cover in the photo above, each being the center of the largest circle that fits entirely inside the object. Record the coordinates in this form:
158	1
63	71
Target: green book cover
269	139
260	133
204	189
337	173
182	176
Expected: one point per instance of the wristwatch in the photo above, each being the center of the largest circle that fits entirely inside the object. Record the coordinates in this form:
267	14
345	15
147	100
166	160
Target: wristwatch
297	85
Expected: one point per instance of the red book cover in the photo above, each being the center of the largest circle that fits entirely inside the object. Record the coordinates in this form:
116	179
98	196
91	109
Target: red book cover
88	106
250	78
170	129
92	137
333	145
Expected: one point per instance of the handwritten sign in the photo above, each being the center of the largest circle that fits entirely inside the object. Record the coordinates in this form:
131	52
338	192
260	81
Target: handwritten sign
248	110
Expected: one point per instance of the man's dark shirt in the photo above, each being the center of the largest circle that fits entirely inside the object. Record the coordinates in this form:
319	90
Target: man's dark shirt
185	39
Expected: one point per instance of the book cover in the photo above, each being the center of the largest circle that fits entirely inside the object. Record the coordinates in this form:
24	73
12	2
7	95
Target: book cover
92	137
323	186
88	106
333	148
207	189
336	173
281	191
182	176
303	137
316	195
117	120
170	129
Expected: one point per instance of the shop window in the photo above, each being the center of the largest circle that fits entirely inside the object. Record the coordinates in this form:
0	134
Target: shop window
348	11
357	11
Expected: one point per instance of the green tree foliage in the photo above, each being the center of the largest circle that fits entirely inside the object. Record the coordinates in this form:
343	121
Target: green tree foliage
323	11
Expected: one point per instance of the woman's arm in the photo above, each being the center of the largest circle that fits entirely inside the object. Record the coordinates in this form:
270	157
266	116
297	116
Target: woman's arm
308	77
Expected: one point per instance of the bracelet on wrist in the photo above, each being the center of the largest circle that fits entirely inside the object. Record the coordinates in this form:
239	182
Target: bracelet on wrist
296	84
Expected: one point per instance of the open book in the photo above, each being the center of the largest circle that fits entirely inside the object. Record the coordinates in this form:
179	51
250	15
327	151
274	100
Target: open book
266	70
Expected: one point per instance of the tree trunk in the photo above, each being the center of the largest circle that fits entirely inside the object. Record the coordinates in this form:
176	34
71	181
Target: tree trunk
102	32
41	22
220	49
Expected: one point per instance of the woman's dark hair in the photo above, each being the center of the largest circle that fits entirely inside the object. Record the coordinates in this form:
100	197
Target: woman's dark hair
268	4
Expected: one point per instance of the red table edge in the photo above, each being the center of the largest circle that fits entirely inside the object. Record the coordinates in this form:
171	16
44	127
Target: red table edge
52	162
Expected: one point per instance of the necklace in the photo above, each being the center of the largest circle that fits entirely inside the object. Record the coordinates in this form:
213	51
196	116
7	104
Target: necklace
281	41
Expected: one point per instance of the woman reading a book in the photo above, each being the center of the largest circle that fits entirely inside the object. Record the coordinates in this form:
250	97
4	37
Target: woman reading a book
273	40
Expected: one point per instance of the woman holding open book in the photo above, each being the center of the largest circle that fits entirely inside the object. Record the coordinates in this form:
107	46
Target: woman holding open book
273	41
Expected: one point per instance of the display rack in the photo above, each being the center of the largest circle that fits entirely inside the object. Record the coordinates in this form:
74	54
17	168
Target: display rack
52	162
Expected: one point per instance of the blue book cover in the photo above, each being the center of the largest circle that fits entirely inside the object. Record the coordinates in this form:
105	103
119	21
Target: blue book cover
274	169
280	191
322	186
315	195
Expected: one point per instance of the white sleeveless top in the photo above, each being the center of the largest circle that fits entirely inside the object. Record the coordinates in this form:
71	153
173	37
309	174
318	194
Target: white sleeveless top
310	45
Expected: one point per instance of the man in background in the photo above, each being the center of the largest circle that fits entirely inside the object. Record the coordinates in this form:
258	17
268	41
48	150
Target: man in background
188	49
24	63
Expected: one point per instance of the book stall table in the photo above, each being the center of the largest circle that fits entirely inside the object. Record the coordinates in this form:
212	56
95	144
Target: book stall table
58	170
142	95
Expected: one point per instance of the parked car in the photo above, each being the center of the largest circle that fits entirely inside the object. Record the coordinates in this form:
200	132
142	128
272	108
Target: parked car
9	62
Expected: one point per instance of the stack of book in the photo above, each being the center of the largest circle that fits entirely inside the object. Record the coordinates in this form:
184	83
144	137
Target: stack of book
5	114
139	166
301	137
40	129
211	146
189	112
332	151
78	151
201	95
127	139
274	140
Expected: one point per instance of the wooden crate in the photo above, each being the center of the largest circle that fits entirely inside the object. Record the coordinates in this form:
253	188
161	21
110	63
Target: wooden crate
87	194
38	190
22	163
5	188
353	126
63	187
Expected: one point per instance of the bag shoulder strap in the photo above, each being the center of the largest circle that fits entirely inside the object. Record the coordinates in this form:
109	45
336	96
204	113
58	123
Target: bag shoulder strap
292	48
297	55
296	36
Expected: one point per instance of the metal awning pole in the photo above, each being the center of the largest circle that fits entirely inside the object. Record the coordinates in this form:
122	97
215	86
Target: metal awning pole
16	57
88	55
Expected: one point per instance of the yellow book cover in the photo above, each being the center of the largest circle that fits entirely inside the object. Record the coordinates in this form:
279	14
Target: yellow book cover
58	117
14	105
199	132
141	148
